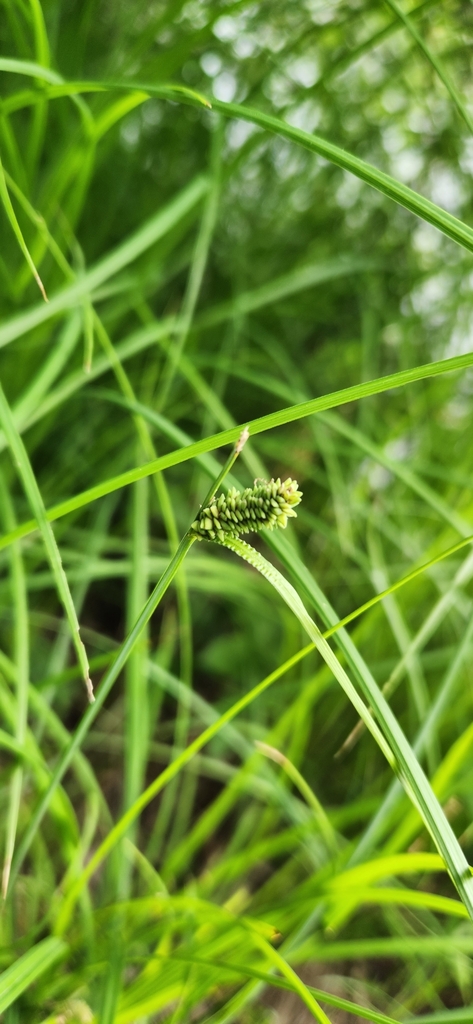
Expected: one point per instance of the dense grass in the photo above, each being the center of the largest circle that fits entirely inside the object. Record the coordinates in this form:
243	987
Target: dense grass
242	215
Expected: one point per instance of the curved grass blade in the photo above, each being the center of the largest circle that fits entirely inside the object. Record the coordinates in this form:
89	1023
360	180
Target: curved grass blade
33	70
302	990
293	773
384	895
455	229
417	204
38	124
275	419
21	651
394	746
11	216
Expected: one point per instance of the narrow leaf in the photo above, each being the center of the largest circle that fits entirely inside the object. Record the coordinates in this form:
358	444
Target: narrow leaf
17	978
28	479
11	215
394	744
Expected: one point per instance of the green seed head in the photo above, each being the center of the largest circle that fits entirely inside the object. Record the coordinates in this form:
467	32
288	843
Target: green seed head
265	506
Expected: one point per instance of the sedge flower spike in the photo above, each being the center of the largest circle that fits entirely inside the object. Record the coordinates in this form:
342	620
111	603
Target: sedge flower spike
265	506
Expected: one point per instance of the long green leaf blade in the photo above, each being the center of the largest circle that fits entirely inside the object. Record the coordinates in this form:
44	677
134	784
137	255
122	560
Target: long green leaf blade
35	500
275	419
17	978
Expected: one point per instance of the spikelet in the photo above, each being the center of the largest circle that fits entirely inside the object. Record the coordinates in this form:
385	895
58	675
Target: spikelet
262	507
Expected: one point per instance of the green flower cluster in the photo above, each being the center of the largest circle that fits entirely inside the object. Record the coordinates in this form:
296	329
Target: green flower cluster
264	506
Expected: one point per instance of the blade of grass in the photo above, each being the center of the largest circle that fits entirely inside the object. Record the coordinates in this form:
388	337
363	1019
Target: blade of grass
12	218
45	238
39	113
398	751
88	336
420	206
17	978
288	972
378	179
443	606
50	369
33	494
136	692
393	189
305	790
288	415
459	752
382	182
428	946
21	655
396	897
395	792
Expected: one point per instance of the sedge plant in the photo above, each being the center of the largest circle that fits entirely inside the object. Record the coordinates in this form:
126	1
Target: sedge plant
244	225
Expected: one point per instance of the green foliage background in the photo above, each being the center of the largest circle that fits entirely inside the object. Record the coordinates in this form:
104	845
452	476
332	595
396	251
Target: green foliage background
241	213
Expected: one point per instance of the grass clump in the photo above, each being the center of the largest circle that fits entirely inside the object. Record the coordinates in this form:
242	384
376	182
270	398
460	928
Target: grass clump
240	214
